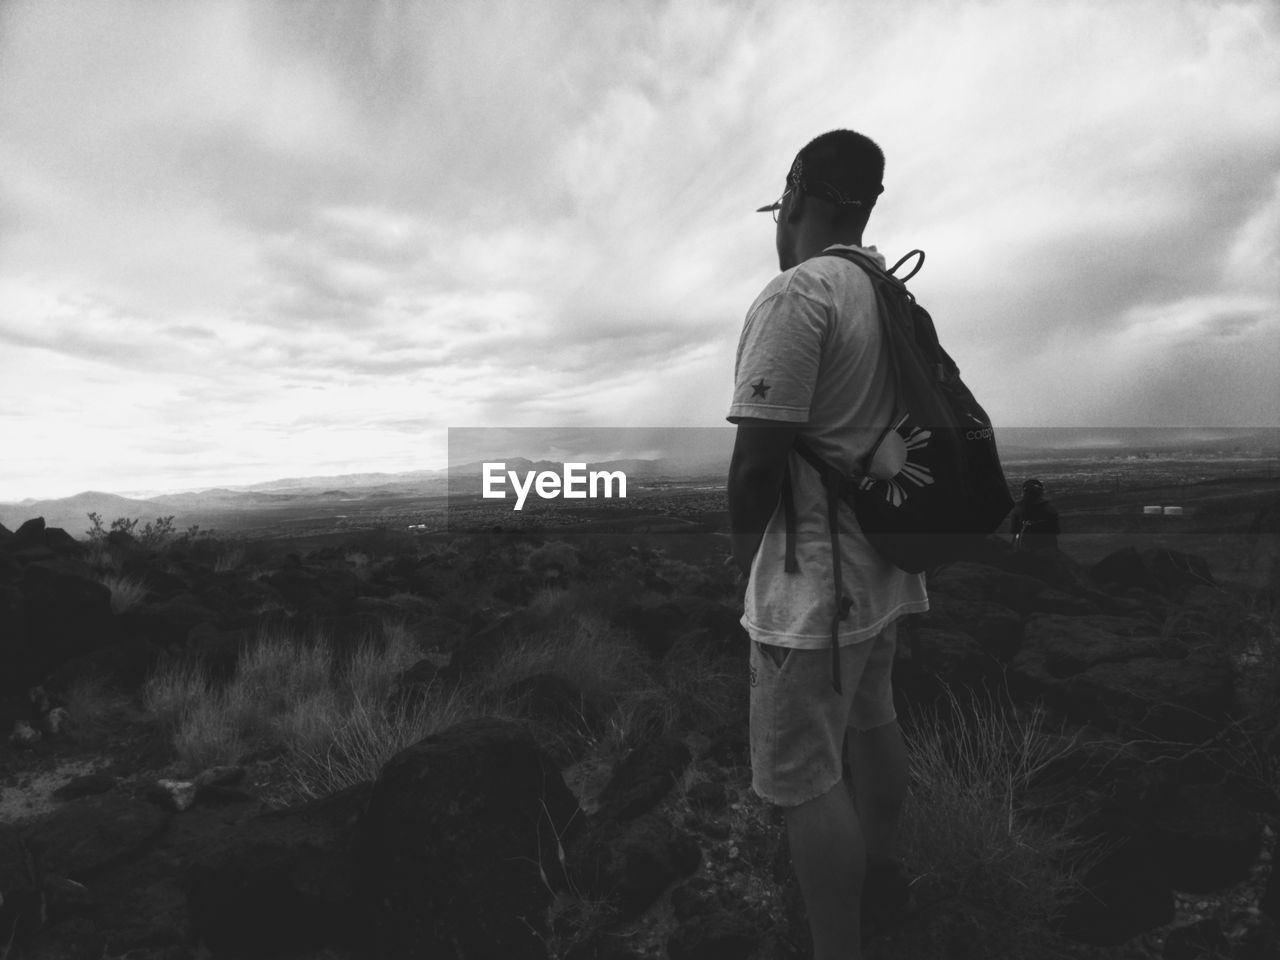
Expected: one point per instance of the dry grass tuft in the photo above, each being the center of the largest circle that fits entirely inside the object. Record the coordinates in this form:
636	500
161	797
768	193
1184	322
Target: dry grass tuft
126	592
1000	875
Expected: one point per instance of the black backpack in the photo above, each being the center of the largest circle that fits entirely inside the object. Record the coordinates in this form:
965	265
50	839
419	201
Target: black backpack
949	491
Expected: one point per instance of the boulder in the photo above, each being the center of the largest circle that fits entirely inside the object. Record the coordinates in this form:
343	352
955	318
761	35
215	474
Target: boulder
643	778
1192	941
282	881
658	626
18	658
630	864
1207	840
716	936
22	898
1071	645
550	698
1050	600
1124	894
982	581
66	615
82	839
1168	572
167	622
29	534
1173	699
484	646
945	656
996	628
463	839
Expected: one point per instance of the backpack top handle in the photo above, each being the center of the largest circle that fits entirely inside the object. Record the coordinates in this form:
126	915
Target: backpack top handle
893	271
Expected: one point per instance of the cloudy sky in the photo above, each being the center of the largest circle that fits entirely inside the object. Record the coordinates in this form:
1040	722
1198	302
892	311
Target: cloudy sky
249	240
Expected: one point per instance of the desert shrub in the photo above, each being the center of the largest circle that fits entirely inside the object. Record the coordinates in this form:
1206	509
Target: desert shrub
552	559
705	691
126	592
641	714
195	713
372	669
153	533
332	720
584	649
274	673
208	734
1002	875
230	557
334	749
172	688
93	705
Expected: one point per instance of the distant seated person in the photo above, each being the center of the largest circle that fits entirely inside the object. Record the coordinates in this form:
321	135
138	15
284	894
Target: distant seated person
1034	521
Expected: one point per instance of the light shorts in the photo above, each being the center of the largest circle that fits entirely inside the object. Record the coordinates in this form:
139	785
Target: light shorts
798	721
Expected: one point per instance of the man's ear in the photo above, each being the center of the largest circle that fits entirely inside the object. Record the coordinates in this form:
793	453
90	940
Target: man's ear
796	210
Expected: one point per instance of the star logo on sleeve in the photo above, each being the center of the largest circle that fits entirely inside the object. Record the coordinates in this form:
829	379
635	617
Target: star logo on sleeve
760	389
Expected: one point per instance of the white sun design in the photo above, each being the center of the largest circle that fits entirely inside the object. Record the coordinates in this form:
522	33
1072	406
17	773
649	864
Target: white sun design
917	474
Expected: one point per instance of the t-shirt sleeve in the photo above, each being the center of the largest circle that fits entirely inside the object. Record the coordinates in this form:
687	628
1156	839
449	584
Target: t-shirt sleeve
778	357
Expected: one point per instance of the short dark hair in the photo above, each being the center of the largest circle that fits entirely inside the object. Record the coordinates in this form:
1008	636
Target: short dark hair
841	167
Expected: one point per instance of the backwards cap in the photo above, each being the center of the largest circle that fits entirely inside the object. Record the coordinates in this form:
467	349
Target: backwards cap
842	167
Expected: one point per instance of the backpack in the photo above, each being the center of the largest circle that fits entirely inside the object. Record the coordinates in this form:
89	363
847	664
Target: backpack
932	486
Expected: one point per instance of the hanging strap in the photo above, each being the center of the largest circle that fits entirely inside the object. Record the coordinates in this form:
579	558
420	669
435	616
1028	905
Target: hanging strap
832	483
789	562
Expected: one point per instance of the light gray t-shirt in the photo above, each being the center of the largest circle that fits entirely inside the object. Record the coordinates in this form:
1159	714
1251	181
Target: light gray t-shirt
812	352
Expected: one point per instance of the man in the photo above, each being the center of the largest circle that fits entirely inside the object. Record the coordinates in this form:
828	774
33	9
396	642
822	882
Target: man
812	362
1034	521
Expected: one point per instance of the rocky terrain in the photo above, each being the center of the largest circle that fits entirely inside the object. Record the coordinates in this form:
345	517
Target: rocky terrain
573	826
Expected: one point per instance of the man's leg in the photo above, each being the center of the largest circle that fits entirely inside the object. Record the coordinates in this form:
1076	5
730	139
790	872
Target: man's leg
829	857
878	764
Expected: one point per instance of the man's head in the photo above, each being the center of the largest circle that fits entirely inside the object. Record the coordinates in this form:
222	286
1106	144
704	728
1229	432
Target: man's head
832	185
1032	490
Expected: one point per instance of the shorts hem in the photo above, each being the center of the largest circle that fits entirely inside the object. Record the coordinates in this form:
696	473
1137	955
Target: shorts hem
789	804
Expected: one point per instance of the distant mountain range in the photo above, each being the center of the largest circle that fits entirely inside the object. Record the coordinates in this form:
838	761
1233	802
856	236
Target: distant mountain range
1016	443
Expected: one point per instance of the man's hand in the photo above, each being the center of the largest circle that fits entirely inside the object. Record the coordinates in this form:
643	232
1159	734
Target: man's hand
755	482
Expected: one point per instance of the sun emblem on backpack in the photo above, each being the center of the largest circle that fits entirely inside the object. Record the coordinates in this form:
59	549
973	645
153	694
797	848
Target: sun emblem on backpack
895	463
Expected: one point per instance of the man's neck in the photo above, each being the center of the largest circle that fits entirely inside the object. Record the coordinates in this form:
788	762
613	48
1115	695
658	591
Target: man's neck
814	244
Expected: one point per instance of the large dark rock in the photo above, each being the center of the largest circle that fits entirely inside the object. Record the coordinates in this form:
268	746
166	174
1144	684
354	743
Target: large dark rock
1125	894
323	590
166	623
1071	645
719	936
1207	840
1192	941
980	581
463	841
643	778
996	628
1169	572
483	647
657	627
22	898
941	658
1181	700
550	698
630	864
81	839
1051	600
217	651
29	534
283	881
66	615
18	659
